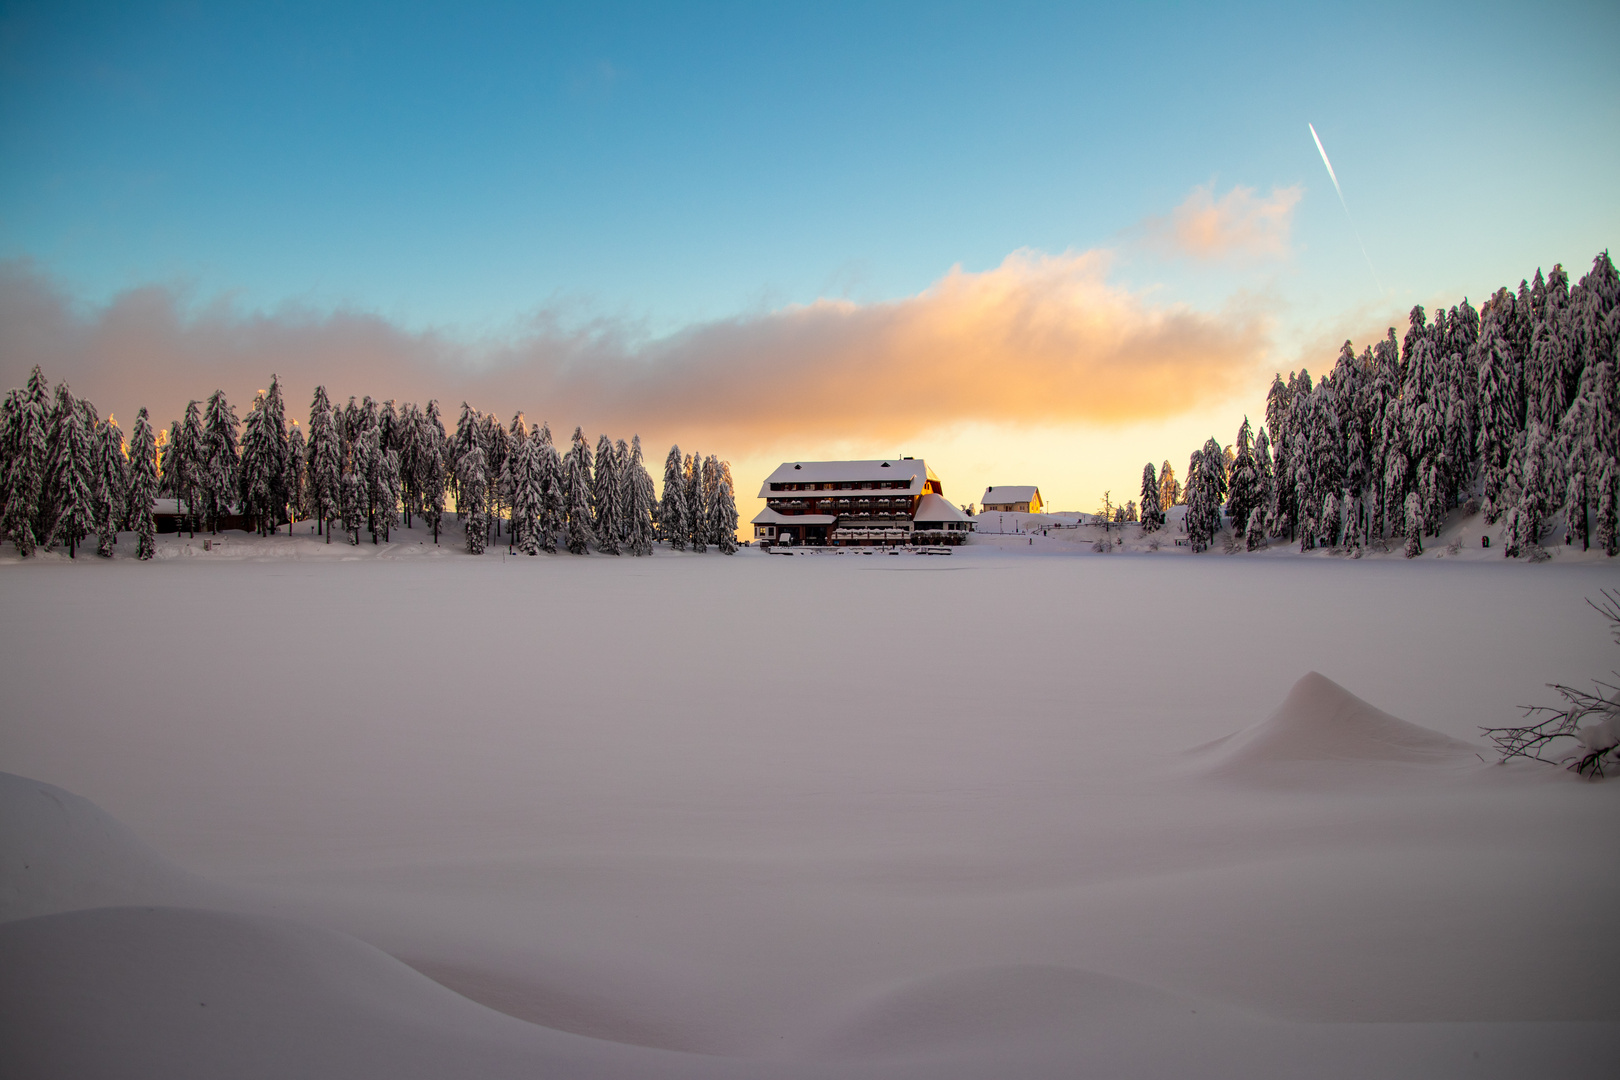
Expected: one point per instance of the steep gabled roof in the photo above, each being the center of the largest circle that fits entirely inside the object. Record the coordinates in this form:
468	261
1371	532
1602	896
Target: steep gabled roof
932	508
1009	493
824	472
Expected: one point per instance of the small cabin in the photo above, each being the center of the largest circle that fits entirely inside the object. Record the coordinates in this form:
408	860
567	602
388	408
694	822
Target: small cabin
1014	499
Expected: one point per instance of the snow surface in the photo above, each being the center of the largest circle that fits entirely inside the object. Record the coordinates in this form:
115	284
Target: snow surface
755	816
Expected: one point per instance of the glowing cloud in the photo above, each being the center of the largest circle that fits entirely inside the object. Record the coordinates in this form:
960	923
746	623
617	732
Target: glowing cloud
1039	339
1238	223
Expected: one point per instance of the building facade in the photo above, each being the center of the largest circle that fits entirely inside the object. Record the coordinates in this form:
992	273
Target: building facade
1012	499
857	504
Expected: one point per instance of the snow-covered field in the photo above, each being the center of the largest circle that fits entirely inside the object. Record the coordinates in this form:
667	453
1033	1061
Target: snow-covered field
863	815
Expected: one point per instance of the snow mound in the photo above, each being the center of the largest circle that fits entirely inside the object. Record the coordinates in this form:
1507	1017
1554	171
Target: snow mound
178	993
1322	723
59	852
1024	1005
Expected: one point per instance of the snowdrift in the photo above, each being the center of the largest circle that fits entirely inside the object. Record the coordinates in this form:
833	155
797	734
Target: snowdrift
977	1009
1322	729
178	993
59	852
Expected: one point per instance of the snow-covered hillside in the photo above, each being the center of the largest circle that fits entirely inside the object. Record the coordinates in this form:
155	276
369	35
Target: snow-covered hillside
811	816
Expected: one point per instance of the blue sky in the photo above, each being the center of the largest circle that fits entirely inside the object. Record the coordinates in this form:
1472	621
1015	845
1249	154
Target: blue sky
468	170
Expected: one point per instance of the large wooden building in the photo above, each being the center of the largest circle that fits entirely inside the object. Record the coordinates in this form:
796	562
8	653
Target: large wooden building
857	503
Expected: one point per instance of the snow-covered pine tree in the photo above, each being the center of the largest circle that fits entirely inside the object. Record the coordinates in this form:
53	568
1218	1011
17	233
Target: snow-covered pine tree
27	450
410	461
353	499
325	469
606	490
253	473
1414	525
621	458
280	482
297	460
111	485
220	458
1265	497
432	475
1152	516
495	444
1501	407
516	435
523	473
1607	528
384	486
1255	535
472	482
72	472
1534	498
143	486
1242	479
577	476
697	511
1196	519
642	502
723	519
576	489
1169	487
553	507
672	508
466	437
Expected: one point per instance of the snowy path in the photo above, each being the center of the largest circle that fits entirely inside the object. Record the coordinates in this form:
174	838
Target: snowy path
878	809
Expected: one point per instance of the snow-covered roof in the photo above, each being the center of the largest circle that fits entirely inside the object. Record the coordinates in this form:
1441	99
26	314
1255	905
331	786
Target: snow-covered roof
824	472
931	508
1009	493
768	516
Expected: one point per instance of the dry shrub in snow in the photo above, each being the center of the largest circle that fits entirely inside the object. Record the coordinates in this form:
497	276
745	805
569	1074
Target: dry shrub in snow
1591	719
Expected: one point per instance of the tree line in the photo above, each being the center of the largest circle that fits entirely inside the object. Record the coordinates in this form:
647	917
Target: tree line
1514	405
362	467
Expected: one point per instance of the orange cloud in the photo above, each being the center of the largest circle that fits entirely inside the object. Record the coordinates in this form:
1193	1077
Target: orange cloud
1237	223
1039	339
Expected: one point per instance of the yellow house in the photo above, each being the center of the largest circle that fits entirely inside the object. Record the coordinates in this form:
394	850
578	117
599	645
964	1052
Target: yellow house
1012	500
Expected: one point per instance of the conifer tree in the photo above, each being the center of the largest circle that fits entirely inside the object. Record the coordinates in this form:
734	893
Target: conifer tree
1607	528
1255	534
69	504
528	494
221	458
576	489
462	443
1152	516
553	508
194	464
143	486
473	484
606	491
576	483
431	469
276	451
352	492
672	508
254	473
27	462
723	519
325	469
1414	525
697	513
111	485
297	460
1242	479
642	502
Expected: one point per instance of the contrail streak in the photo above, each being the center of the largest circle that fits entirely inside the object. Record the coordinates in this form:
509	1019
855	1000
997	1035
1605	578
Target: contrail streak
1320	149
1331	174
